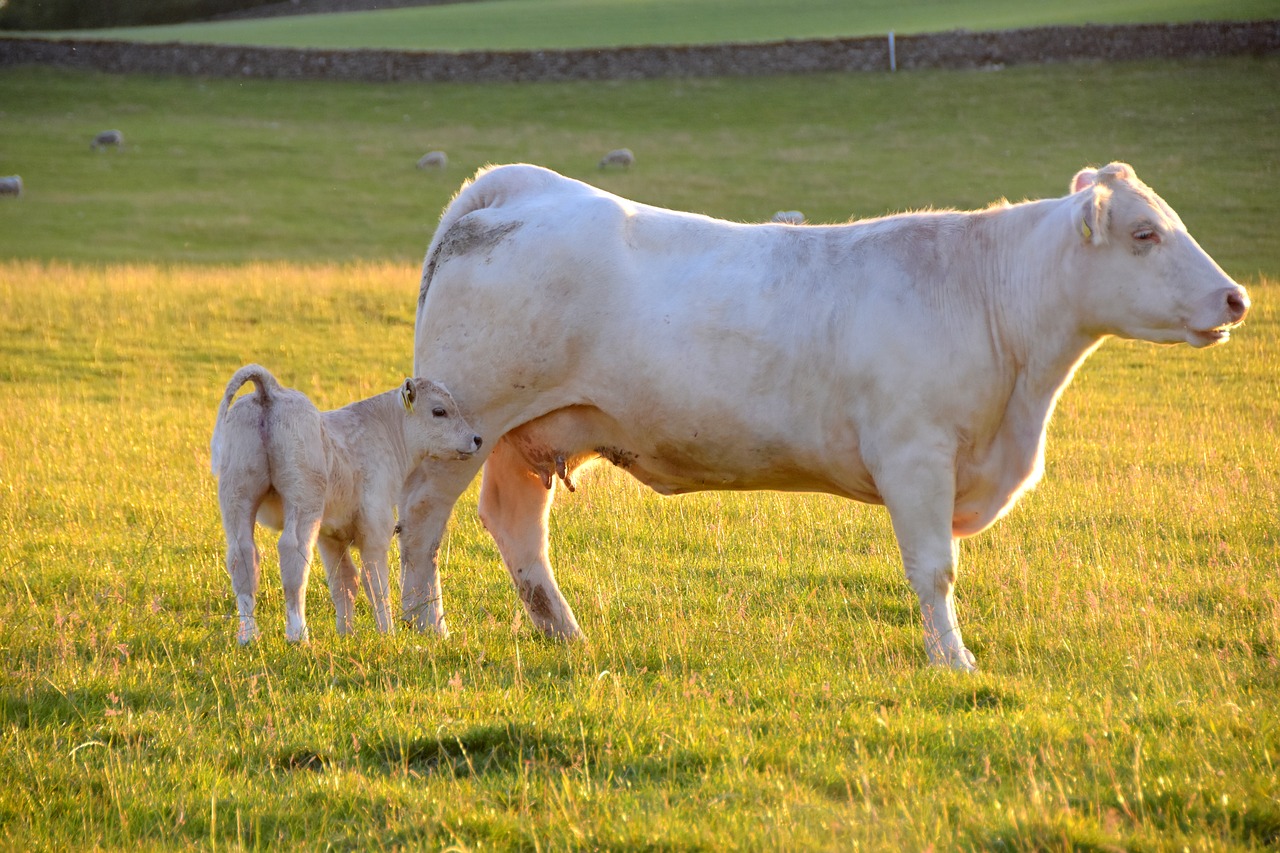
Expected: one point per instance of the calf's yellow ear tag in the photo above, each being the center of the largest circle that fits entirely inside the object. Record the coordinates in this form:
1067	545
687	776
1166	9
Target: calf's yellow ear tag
1086	230
406	396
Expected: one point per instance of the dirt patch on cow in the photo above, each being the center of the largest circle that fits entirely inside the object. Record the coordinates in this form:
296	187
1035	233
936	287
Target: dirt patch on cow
536	599
624	459
464	237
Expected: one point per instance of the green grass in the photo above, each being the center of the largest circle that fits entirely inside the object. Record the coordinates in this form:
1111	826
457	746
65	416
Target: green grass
526	24
754	677
755	674
218	171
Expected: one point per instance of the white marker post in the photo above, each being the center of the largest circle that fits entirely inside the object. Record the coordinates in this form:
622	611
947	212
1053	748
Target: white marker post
893	59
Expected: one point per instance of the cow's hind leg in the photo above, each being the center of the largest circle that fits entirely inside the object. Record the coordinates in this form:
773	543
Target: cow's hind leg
515	506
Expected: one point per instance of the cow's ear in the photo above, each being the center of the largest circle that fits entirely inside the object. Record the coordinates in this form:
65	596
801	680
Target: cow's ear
1091	216
1084	178
408	393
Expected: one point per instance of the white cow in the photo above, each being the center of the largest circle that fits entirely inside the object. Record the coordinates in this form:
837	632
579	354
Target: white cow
331	477
911	361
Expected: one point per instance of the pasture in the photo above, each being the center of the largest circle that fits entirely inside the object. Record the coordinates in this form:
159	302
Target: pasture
754	676
522	25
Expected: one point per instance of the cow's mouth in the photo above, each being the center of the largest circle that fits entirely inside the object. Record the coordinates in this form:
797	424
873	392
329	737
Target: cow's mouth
1209	337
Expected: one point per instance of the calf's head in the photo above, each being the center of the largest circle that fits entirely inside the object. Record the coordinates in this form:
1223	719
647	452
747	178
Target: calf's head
433	426
1147	278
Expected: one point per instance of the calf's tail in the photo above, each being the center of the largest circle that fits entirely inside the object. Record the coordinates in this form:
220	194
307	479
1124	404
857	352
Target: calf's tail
266	387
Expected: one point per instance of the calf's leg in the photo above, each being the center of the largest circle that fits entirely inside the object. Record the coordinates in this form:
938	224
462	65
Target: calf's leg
244	567
343	577
377	585
239	494
515	506
296	546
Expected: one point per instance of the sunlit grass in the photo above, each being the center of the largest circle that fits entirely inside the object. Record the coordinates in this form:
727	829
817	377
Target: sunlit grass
754	677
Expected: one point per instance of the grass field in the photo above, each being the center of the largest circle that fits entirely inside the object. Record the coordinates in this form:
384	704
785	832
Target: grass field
528	25
755	675
219	171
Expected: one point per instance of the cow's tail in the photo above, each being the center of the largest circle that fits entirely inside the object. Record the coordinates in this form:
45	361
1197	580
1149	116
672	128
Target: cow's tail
267	386
489	188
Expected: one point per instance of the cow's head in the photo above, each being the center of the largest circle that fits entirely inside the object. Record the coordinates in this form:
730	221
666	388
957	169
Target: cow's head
1148	278
433	426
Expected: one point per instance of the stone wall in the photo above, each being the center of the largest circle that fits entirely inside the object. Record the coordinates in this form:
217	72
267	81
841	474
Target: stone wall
960	49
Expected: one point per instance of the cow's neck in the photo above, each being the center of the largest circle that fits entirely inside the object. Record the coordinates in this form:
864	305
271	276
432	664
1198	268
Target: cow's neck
1035	322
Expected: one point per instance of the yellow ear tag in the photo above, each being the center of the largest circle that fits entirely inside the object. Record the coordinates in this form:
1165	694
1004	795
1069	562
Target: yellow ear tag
405	399
1086	230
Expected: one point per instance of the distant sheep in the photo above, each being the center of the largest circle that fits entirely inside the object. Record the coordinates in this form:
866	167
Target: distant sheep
434	160
327	478
107	139
11	185
788	217
618	157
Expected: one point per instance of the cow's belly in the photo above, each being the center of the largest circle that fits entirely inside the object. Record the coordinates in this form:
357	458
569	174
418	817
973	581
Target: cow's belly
677	457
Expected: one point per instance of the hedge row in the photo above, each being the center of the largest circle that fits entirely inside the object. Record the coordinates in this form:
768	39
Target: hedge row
941	50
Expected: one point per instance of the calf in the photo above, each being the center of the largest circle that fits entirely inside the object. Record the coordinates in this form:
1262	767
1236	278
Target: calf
327	477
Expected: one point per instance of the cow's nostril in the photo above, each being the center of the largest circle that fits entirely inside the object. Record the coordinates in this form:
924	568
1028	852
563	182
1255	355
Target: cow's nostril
479	441
1237	304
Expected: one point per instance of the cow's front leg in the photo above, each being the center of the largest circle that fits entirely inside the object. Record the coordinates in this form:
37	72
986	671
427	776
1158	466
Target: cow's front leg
515	505
429	495
920	496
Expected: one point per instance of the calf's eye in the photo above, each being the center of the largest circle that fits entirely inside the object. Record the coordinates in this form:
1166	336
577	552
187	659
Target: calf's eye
439	412
1146	235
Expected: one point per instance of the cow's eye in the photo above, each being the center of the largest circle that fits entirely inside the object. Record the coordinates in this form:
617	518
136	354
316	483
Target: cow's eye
1147	235
439	412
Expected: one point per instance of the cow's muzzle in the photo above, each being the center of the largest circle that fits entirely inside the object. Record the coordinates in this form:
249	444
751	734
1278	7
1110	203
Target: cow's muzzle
1221	311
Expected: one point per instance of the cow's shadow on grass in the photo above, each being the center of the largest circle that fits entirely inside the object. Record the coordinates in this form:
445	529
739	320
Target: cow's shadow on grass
503	748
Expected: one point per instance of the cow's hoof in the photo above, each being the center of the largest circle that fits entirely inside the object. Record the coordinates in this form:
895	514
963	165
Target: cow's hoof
959	660
437	627
963	661
301	635
563	634
248	631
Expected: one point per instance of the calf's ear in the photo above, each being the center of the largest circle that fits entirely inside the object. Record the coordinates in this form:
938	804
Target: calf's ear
408	393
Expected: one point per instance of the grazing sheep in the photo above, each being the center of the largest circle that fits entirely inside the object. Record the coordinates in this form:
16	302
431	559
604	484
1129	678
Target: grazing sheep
11	185
788	217
618	157
434	160
331	478
107	139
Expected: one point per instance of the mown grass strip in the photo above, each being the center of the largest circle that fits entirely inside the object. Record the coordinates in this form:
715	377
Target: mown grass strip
523	25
